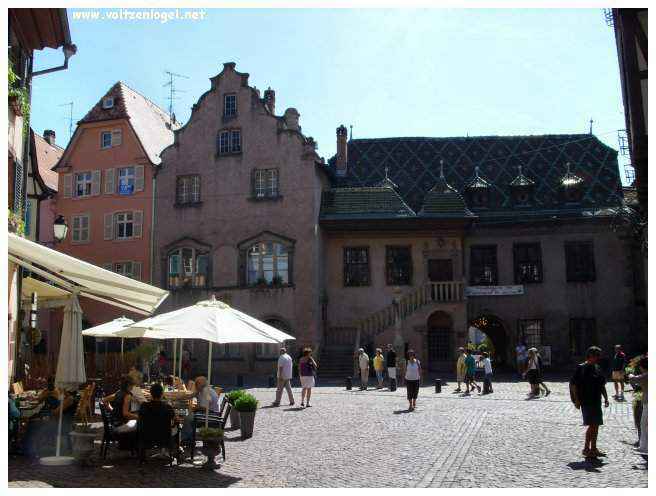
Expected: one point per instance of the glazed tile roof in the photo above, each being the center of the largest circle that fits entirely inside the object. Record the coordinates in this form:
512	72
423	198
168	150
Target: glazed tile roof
363	202
413	165
150	123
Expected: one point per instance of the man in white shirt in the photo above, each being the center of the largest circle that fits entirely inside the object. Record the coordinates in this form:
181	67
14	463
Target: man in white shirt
284	377
363	362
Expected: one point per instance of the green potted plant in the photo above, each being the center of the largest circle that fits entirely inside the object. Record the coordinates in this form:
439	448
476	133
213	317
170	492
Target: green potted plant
246	405
211	438
233	396
277	281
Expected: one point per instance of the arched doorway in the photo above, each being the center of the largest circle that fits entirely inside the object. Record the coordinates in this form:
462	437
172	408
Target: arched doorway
439	340
495	336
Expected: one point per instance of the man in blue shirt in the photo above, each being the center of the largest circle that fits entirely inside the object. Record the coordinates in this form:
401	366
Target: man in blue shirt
470	371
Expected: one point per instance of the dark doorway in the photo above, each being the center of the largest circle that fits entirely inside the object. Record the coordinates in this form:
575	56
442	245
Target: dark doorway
440	341
494	329
440	269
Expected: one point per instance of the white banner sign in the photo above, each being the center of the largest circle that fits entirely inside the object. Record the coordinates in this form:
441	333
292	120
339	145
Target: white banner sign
494	290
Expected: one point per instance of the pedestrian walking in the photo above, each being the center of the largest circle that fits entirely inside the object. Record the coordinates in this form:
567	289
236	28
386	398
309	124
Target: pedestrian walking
641	380
619	364
412	379
307	368
531	373
487	366
460	368
470	372
521	357
284	377
541	383
379	367
587	387
390	359
363	364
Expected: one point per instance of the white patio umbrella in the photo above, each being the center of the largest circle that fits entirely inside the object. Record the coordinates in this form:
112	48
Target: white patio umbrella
209	320
70	368
109	329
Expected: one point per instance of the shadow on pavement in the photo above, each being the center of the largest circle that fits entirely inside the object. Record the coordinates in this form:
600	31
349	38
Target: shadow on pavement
589	465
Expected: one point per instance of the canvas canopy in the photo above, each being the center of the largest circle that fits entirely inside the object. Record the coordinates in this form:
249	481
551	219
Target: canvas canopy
76	276
46	292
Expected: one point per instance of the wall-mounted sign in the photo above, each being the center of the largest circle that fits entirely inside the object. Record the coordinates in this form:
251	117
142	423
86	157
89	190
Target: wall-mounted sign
494	290
125	189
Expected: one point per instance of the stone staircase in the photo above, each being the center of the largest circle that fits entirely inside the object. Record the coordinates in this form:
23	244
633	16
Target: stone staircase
336	361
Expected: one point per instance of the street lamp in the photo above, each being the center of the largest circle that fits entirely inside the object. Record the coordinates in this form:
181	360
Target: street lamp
60	228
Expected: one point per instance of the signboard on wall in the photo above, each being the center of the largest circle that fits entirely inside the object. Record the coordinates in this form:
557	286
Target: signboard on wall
494	290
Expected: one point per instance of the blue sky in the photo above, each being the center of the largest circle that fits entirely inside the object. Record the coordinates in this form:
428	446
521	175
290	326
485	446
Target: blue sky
386	72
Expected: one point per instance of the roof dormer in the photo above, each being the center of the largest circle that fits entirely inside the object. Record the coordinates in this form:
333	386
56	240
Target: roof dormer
522	188
571	186
478	190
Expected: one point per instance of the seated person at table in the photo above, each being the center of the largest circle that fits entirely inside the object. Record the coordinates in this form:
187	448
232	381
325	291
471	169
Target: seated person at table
14	419
172	383
135	375
156	420
205	396
124	420
51	395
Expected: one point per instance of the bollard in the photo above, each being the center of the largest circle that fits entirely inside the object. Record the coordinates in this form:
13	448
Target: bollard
349	383
392	385
438	385
272	382
240	381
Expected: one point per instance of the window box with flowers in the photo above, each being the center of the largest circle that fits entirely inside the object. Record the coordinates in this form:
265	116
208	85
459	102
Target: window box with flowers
188	268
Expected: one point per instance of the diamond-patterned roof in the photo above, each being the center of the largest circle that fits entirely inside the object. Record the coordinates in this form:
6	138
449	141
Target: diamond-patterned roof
367	202
413	166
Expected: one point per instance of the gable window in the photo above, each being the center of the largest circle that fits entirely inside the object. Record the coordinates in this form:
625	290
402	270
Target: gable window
268	262
356	266
187	189
229	141
582	335
109	139
229	105
124	225
483	266
528	263
126	180
108	102
573	194
188	267
265	183
579	260
531	331
80	233
83	184
399	265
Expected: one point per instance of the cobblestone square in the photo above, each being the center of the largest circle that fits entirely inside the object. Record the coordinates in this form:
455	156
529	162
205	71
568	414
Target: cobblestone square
368	439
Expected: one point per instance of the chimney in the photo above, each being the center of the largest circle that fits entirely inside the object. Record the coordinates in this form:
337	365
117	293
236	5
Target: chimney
49	136
291	119
341	159
270	100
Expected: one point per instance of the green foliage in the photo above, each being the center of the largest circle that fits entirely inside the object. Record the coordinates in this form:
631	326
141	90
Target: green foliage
210	433
233	396
246	403
145	351
16	222
19	93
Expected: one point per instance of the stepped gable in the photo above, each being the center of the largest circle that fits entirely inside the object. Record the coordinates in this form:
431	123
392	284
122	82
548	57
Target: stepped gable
413	165
150	123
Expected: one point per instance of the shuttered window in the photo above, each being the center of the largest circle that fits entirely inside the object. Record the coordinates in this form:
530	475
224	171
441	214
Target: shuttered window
83	184
110	186
123	225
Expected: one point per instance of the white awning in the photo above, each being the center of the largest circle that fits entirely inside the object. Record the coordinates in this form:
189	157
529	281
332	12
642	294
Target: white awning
44	291
74	275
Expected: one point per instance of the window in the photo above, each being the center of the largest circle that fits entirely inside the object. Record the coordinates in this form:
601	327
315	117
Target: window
479	198
229	142
356	266
124	268
109	139
528	263
265	183
483	266
80	228
579	260
188	267
83	184
582	335
108	102
269	351
187	190
573	194
232	350
124	225
399	265
268	262
531	332
126	181
229	105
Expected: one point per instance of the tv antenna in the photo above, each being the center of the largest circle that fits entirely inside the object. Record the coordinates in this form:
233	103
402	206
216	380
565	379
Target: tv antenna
70	118
172	90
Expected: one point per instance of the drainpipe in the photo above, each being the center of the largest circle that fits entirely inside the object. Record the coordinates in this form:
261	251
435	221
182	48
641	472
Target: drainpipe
69	51
152	225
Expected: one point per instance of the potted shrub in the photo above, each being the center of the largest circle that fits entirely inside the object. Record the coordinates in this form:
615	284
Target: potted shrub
246	405
277	281
82	441
233	396
211	438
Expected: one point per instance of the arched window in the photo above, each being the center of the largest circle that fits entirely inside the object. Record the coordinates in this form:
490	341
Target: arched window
188	267
267	262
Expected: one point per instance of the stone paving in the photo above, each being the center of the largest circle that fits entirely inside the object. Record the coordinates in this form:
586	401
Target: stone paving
368	439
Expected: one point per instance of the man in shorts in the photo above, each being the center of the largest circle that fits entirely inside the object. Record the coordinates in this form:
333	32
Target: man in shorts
619	364
587	386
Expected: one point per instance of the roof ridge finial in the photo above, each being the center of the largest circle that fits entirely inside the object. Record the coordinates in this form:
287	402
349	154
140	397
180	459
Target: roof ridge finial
568	167
441	168
476	171
519	170
387	172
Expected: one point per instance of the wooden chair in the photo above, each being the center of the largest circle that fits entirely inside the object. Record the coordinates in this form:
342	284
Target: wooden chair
18	388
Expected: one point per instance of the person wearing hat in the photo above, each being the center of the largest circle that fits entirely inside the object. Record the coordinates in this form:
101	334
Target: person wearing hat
460	369
619	364
363	363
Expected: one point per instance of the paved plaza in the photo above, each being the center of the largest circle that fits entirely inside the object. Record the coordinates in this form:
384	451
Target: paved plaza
368	439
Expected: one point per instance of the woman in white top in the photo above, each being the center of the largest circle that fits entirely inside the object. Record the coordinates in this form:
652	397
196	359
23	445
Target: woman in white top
412	378
532	373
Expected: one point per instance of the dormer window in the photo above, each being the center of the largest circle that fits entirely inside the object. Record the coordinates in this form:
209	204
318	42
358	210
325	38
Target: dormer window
571	187
478	191
229	105
522	189
108	102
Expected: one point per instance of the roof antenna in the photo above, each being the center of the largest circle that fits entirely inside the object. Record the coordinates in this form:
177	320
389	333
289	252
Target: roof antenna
386	172
70	118
172	92
591	121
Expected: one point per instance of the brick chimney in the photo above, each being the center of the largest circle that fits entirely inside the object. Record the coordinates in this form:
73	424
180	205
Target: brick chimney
291	119
270	100
341	159
49	136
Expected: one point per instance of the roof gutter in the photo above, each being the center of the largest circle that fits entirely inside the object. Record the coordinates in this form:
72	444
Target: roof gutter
69	51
